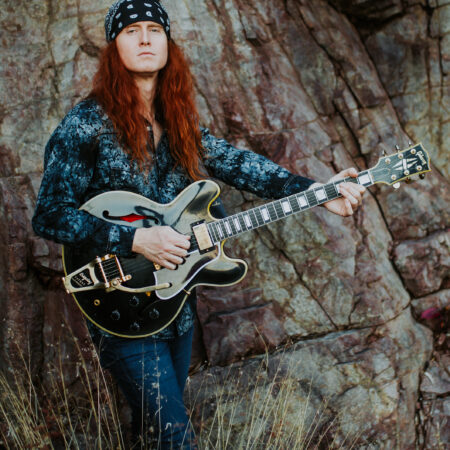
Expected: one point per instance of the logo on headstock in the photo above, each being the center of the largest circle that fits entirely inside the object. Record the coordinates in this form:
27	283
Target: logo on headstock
422	157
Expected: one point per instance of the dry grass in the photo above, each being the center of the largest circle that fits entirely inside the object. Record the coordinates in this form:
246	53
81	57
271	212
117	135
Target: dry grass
265	412
52	415
268	413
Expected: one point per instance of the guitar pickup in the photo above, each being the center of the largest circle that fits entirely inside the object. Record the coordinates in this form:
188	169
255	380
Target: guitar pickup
201	233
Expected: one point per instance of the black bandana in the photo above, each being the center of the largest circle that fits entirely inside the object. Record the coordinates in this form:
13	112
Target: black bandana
125	12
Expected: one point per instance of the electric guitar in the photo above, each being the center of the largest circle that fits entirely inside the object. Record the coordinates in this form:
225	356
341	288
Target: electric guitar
133	297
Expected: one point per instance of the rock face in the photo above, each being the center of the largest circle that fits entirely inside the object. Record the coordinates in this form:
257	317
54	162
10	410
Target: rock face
317	87
361	378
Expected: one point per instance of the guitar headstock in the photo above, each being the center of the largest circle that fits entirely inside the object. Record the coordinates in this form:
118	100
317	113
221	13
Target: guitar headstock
402	165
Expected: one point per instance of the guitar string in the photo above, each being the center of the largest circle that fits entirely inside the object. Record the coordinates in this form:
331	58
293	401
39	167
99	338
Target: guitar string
112	271
110	266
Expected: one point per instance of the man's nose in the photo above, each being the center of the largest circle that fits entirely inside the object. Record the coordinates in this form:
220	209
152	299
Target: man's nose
145	38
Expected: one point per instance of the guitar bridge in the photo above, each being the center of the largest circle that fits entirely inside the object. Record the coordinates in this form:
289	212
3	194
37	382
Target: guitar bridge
85	278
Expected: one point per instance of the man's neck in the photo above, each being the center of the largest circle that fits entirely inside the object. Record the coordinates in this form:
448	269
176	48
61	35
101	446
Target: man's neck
147	88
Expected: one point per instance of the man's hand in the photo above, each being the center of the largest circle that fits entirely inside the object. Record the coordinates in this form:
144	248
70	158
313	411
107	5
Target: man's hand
351	194
162	245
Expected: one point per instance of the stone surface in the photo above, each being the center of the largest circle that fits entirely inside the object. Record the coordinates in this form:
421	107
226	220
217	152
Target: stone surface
318	87
424	265
362	372
411	54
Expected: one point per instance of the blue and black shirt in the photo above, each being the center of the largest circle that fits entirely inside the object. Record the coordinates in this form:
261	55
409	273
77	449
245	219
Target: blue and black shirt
84	158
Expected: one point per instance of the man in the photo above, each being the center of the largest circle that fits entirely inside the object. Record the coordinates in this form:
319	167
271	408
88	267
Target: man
139	131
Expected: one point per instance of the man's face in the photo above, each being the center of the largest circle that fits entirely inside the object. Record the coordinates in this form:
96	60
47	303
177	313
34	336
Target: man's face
143	47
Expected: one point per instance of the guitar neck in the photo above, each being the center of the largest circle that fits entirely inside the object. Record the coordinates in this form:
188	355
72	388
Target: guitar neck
259	216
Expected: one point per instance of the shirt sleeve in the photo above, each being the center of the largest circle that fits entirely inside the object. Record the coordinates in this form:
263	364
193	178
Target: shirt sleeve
69	165
249	171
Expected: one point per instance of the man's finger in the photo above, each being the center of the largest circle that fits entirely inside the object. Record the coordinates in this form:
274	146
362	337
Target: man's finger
356	190
352	172
179	251
345	192
184	244
348	206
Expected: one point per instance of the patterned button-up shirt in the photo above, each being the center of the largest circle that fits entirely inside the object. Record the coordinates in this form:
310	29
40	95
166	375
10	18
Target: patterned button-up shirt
84	158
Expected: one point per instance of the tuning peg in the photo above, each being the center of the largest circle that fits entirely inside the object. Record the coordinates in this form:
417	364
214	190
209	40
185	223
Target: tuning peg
396	185
383	153
409	180
422	176
410	143
397	148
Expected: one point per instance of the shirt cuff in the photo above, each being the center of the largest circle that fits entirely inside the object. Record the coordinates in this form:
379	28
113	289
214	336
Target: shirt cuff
120	240
297	183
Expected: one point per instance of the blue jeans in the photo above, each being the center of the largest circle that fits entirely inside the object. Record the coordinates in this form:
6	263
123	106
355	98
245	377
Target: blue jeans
152	374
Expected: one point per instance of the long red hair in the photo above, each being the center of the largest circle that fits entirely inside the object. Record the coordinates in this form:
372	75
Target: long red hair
114	88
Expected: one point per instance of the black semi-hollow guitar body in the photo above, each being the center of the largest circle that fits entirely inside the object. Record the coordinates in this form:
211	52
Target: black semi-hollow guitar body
131	297
138	314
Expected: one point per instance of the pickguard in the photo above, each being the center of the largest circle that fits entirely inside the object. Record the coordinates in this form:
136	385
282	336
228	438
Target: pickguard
184	273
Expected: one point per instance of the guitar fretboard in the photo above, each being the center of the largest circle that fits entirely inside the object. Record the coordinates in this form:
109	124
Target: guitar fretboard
279	209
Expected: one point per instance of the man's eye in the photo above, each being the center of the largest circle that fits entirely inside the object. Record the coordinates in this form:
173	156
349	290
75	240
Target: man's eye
156	29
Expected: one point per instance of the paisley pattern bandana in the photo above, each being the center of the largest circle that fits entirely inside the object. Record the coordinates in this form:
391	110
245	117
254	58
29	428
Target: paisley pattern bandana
125	12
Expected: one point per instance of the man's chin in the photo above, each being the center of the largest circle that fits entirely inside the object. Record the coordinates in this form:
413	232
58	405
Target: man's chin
145	73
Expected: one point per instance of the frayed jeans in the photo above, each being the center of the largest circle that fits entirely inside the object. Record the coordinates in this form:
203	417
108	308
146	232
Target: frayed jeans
152	374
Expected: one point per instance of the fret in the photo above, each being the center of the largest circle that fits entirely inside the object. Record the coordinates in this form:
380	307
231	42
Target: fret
331	191
294	204
364	179
242	222
272	211
265	213
220	230
248	221
336	184
312	200
212	231
253	218
258	216
237	224
279	209
231	223
227	227
320	194
302	201
216	232
286	207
